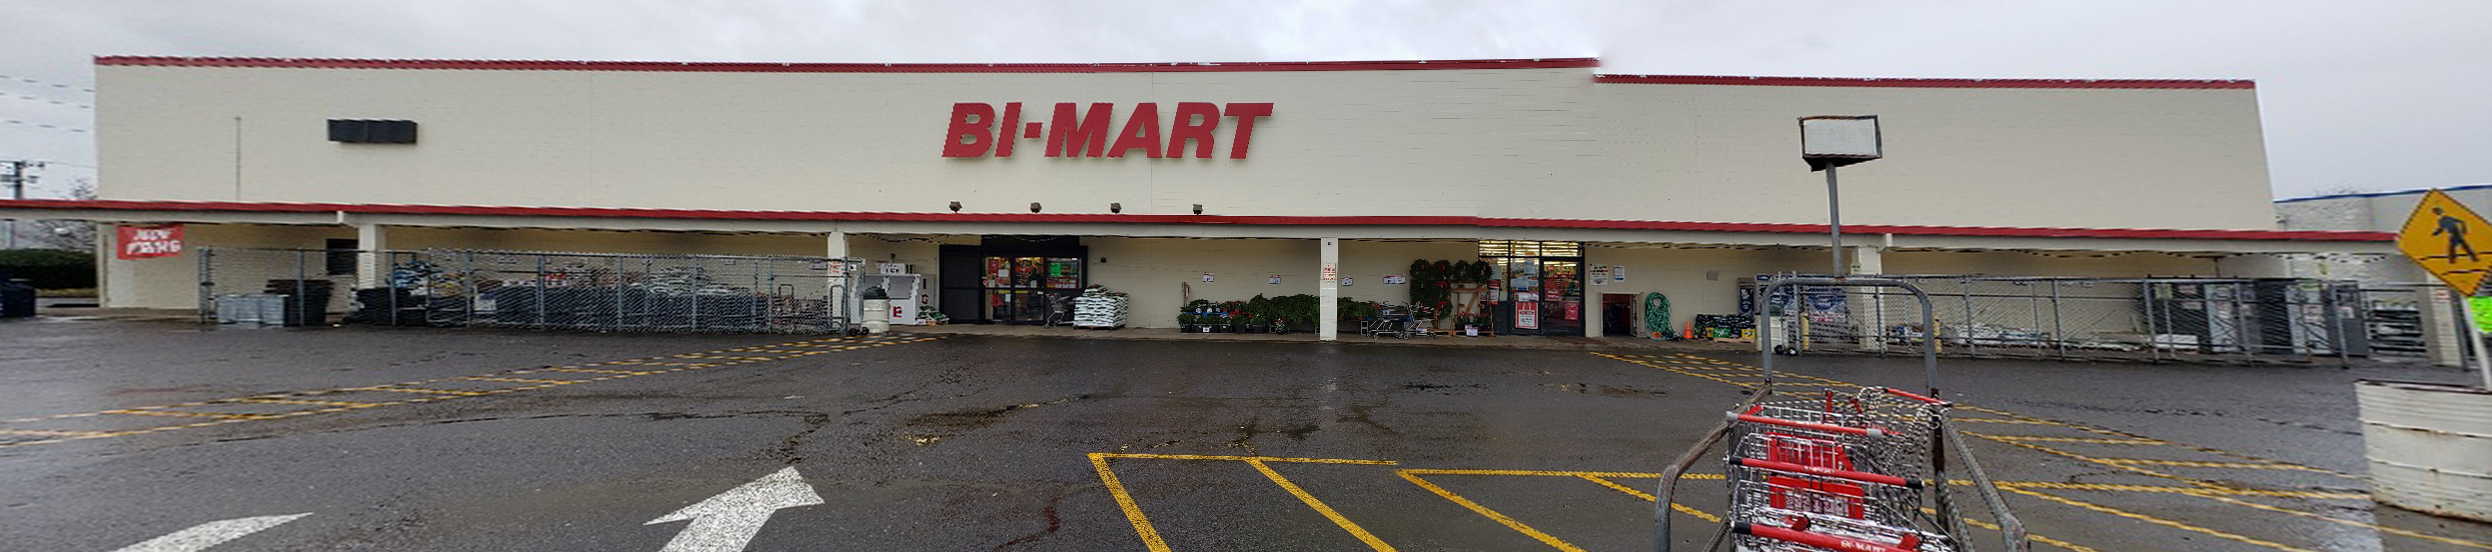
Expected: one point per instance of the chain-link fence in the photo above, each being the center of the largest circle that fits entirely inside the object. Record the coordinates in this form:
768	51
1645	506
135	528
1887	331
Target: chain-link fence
2395	321
537	290
2043	317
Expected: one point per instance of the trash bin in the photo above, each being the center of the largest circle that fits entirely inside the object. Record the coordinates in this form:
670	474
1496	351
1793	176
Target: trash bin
877	316
255	309
17	299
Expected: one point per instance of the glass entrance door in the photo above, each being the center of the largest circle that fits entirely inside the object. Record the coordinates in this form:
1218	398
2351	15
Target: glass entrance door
1021	289
1009	280
1561	297
1539	285
1522	283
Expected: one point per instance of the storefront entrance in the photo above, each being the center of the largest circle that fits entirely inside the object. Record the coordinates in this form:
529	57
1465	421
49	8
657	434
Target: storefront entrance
1539	286
1012	279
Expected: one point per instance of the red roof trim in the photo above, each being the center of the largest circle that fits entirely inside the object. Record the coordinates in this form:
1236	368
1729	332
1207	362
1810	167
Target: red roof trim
1930	83
1487	222
764	67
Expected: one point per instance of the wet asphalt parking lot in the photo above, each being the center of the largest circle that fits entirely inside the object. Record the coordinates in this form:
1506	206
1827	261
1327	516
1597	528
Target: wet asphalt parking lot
119	433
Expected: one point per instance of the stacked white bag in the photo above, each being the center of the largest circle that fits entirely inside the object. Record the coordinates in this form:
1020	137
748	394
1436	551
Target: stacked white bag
1099	308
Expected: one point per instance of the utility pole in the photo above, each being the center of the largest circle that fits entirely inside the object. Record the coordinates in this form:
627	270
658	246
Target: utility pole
17	180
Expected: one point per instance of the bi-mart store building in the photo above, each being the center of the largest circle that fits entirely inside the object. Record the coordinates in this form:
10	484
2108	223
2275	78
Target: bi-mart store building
1168	181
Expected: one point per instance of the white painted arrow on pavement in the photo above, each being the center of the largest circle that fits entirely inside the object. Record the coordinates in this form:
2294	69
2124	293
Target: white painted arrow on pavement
727	522
208	534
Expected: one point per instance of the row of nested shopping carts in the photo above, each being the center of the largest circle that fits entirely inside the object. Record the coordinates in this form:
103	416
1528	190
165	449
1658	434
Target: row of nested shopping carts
1837	473
1861	471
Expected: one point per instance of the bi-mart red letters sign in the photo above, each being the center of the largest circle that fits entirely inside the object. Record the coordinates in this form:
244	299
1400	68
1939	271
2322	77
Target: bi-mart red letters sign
1071	132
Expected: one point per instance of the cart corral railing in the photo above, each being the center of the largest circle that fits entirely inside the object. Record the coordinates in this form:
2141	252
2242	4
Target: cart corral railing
2247	319
534	290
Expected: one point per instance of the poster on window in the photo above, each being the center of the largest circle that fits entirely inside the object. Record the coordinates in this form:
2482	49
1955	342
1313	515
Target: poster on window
1527	315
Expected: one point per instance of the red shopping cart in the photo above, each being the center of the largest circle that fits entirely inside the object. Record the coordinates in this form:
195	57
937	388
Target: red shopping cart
1866	470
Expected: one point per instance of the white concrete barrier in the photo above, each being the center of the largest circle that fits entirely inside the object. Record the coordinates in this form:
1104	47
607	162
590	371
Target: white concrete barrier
2430	447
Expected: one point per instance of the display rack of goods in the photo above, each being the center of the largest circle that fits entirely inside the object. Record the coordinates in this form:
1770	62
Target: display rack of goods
1098	308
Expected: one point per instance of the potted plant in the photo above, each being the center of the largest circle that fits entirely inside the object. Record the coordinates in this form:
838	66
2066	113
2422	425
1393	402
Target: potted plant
1258	314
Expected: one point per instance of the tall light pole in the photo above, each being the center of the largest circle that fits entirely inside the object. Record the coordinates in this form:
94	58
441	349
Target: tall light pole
1831	141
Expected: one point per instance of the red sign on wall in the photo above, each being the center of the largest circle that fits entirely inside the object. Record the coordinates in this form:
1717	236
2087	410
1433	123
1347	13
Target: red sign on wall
975	129
148	242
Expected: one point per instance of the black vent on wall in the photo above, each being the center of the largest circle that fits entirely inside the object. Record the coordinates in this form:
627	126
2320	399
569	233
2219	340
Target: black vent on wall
363	131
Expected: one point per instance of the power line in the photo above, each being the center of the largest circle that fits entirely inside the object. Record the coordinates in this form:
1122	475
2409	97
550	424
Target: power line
46	83
43	125
51	101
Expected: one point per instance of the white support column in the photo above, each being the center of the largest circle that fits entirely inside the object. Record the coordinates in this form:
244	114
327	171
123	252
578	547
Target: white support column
835	244
1328	287
839	291
1868	260
371	264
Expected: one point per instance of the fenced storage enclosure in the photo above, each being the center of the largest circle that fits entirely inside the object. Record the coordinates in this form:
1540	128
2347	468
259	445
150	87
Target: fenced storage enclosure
535	290
2137	319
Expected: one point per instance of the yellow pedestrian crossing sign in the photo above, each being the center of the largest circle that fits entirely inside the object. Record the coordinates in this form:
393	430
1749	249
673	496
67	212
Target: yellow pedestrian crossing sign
2444	237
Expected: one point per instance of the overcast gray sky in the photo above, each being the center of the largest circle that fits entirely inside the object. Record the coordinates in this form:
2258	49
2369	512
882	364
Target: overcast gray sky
2369	95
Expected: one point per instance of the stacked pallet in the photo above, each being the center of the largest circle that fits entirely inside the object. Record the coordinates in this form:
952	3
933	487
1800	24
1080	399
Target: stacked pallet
1098	308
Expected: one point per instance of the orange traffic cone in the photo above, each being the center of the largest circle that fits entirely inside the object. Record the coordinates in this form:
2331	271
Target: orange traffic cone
1691	331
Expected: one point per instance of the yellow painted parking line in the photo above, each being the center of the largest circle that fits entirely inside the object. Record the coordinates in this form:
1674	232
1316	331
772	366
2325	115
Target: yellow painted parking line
1243	458
2481	545
1125	500
1150	535
2117	466
597	371
1320	507
2086	440
394	389
304	402
1648	497
522	380
2063	545
1556	473
2098	508
180	414
1475	507
47	432
2192	490
2011	421
2217	465
1602	478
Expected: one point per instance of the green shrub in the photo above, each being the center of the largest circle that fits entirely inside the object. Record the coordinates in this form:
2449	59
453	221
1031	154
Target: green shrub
49	268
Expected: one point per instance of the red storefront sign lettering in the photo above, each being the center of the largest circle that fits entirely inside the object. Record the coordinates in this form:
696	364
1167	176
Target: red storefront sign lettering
975	129
147	242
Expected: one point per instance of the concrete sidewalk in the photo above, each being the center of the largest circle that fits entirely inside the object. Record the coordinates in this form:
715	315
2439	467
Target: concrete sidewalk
1171	334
